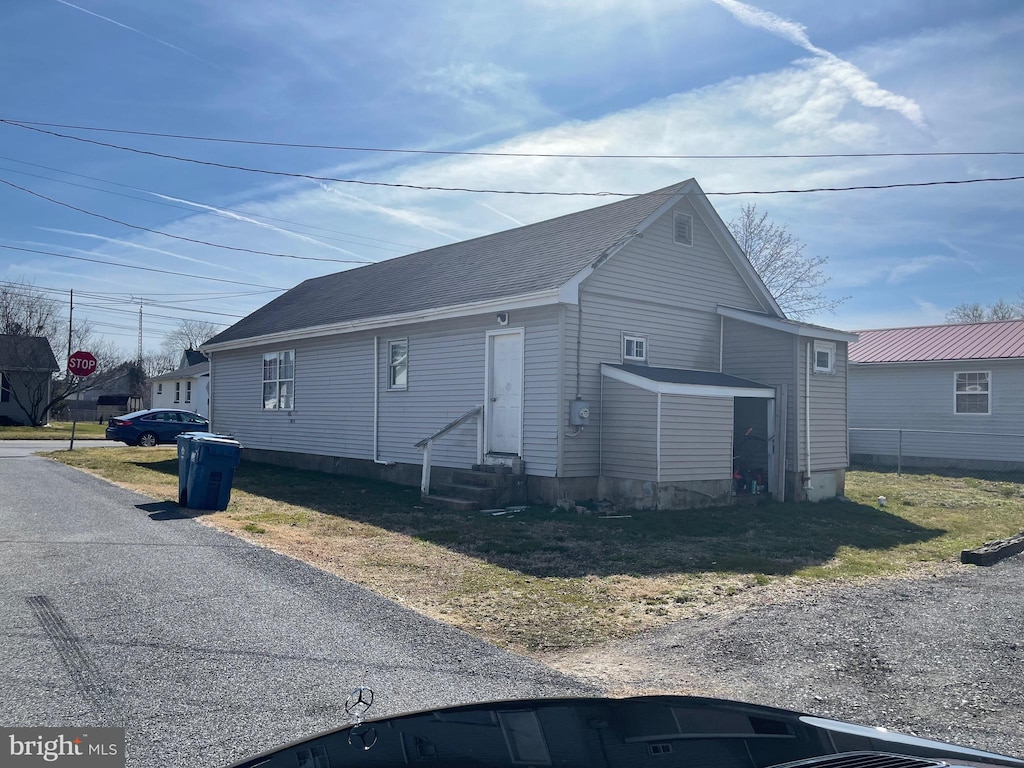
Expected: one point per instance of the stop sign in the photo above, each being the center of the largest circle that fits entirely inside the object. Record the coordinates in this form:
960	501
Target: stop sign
82	364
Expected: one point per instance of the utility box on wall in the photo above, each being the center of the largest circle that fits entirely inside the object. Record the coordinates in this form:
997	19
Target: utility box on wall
579	413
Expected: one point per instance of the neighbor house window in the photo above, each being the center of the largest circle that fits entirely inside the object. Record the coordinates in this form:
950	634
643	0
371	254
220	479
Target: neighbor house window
278	380
683	228
177	391
972	392
159	387
824	357
398	364
5	388
634	348
188	391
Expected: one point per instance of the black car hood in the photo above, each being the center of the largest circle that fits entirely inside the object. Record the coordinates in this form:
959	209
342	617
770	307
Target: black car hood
651	730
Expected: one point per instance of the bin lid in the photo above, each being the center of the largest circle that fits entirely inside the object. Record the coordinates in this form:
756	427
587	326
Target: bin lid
209	437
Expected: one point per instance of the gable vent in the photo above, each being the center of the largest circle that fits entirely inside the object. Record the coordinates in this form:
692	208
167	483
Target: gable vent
683	223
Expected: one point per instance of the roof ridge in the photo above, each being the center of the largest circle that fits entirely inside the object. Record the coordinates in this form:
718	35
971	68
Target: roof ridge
940	325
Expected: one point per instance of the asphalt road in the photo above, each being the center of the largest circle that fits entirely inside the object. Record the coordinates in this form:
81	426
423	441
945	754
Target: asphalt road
17	449
116	611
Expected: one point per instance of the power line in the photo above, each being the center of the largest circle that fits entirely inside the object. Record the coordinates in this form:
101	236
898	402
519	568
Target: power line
481	153
220	213
145	269
475	190
180	237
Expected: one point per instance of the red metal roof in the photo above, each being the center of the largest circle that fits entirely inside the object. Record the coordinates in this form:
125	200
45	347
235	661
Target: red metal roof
968	341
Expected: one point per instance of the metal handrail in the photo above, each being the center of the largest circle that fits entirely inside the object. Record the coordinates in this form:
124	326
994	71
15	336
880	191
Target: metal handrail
451	425
428	442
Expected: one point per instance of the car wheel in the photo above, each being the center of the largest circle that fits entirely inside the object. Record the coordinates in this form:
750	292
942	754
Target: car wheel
148	439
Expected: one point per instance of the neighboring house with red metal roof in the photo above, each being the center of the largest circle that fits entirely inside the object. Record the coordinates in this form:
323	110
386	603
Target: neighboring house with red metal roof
939	396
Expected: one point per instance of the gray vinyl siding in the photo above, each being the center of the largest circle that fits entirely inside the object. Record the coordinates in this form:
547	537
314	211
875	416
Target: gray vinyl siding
920	396
696	438
828	412
25	387
657	288
334	386
768	357
629	432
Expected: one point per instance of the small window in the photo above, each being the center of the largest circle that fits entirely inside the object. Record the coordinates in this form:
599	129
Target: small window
972	392
177	391
634	348
278	380
824	357
159	387
683	228
398	364
5	388
188	391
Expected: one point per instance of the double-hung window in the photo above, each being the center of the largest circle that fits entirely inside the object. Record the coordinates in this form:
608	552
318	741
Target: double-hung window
634	348
279	381
971	392
398	364
159	387
177	391
188	391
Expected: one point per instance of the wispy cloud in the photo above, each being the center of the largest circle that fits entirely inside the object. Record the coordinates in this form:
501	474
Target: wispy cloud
491	208
146	35
855	81
255	222
130	244
429	223
916	265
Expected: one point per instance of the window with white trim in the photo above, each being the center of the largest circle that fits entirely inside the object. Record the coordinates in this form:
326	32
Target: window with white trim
398	364
682	228
159	387
177	391
634	348
5	388
279	380
824	357
971	392
188	391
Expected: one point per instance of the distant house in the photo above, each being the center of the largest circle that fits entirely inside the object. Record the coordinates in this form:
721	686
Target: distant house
27	366
113	392
187	388
627	352
939	396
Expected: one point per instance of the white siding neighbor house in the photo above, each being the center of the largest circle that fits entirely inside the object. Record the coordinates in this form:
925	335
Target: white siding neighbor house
627	352
939	396
186	388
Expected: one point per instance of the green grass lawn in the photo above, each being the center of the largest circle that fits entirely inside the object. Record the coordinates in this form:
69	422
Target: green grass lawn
57	430
547	580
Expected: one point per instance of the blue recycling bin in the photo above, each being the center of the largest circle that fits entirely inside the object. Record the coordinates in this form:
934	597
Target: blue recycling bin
211	471
186	448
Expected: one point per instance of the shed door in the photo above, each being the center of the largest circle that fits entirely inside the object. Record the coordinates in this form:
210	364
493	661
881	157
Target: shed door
505	392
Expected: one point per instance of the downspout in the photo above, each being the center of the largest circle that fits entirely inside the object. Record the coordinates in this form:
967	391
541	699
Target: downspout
376	401
807	414
209	392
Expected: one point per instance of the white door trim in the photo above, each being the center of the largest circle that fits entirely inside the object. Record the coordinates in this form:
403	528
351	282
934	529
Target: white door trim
521	333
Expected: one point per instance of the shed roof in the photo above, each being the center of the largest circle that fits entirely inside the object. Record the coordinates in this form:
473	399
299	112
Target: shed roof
686	376
26	353
967	341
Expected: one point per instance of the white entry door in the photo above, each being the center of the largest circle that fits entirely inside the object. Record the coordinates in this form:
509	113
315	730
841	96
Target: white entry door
505	391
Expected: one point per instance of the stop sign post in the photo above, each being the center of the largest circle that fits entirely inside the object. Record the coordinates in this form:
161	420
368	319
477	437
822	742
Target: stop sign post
82	364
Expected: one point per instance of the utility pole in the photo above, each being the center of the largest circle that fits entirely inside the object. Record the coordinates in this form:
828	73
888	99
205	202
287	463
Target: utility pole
140	334
71	312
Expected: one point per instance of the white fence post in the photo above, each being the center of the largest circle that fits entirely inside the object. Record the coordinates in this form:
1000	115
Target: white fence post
425	480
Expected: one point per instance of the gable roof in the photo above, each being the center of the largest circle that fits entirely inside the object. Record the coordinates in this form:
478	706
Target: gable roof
188	372
31	353
193	357
519	262
967	341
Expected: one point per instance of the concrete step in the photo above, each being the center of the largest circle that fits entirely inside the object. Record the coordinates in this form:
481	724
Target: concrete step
450	502
482	479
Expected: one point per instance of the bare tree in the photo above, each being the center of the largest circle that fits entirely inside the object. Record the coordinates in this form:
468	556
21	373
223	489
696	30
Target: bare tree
978	313
190	334
155	363
794	278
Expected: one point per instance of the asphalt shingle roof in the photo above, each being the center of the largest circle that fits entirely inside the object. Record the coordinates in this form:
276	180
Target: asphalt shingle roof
515	262
26	352
968	341
686	376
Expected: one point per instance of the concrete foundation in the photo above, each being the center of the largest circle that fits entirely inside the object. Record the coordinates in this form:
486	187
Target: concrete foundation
822	485
647	494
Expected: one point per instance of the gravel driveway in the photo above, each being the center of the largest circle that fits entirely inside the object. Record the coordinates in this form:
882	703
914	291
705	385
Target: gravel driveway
940	657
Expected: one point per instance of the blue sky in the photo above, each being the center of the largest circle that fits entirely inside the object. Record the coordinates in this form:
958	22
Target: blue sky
570	76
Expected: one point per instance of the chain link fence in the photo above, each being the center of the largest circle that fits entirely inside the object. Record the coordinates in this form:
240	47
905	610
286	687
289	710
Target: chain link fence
927	449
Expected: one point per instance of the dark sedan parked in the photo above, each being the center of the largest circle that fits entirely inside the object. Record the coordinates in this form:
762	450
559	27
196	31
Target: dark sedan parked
157	425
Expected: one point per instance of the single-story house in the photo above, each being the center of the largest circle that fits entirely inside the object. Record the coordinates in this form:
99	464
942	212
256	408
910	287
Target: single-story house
27	366
187	388
940	396
627	352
